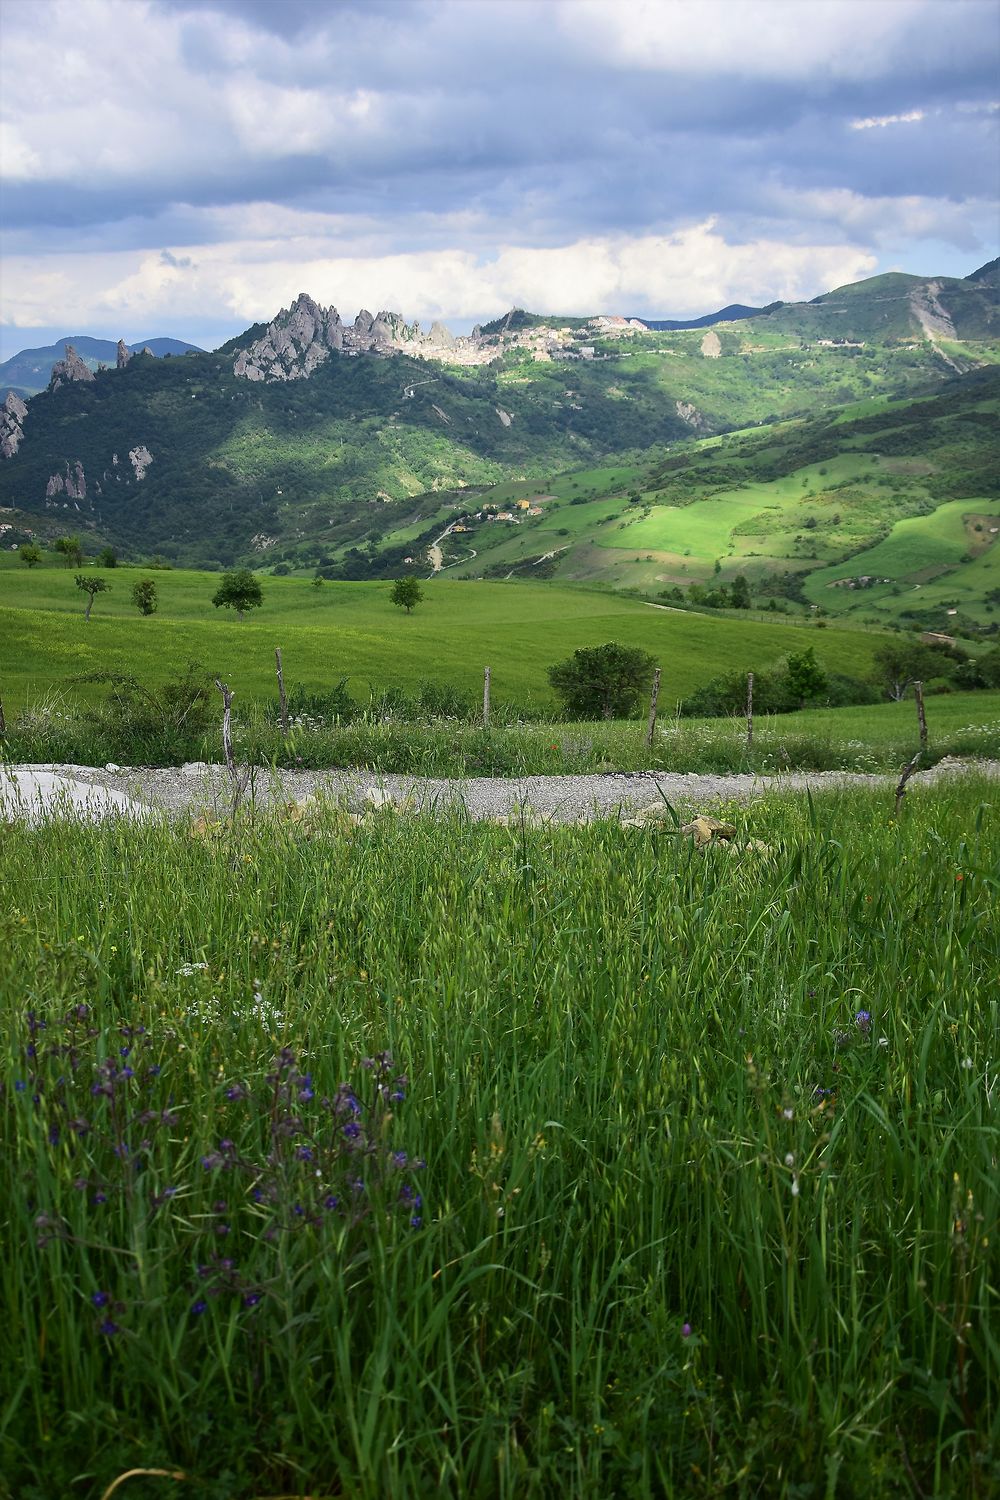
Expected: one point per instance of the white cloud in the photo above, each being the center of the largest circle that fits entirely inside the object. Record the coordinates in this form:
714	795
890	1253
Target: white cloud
780	39
689	272
879	122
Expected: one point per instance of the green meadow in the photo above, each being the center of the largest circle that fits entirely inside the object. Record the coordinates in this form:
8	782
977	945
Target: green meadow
426	1158
352	629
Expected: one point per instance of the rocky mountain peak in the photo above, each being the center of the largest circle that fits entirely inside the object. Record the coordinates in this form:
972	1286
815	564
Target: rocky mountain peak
299	338
12	415
71	367
122	355
306	334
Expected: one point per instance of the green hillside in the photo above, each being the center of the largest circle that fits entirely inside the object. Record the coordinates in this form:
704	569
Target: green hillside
353	468
353	629
810	510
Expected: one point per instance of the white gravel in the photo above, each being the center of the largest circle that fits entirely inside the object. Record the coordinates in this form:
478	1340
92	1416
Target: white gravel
197	788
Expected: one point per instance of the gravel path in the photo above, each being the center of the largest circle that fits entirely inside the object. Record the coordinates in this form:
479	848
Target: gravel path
196	788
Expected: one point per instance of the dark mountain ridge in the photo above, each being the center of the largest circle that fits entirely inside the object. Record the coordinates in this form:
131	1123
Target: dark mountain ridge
30	370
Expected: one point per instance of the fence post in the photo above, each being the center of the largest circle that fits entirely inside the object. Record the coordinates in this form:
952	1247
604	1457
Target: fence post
281	692
238	784
654	695
918	693
749	710
486	697
3	721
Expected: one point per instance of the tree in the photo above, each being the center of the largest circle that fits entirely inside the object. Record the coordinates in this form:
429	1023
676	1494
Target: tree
603	681
92	584
240	591
739	593
144	596
406	592
31	554
107	558
806	678
898	663
70	549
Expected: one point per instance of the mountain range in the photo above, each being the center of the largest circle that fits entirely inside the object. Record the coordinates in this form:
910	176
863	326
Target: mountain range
349	446
29	371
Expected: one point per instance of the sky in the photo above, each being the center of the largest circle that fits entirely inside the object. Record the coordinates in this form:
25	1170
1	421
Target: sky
187	167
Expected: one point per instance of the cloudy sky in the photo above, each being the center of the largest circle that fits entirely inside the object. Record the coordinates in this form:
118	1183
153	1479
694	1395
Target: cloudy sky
187	167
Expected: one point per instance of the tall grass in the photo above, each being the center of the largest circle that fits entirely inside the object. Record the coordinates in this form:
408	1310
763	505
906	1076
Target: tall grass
881	737
710	1196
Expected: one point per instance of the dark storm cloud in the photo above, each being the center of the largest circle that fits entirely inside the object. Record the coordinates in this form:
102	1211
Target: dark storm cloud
385	127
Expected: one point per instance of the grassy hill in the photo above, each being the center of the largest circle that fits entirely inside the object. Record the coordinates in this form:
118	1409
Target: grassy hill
343	469
353	629
906	491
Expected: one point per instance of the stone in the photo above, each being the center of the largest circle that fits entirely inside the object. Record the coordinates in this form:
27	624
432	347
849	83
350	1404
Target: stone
12	415
123	355
69	369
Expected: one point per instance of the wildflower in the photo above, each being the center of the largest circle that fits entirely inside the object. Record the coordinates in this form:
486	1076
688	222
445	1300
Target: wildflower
100	1299
330	1202
198	1308
790	1160
416	1221
236	1091
20	1085
863	1019
251	1299
685	1330
108	1328
788	1113
966	1062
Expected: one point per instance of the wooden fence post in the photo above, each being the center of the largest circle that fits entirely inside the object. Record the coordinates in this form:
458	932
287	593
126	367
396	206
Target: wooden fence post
908	771
283	701
238	783
918	693
749	710
3	721
486	697
654	695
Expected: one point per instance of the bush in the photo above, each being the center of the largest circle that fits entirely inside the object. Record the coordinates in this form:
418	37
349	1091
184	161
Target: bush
603	681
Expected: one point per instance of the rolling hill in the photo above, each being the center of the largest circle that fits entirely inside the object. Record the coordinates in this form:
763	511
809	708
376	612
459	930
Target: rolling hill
308	444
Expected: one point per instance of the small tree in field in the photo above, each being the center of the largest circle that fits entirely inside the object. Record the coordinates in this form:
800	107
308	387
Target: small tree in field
144	596
406	592
92	584
806	678
240	591
31	554
603	681
69	549
739	593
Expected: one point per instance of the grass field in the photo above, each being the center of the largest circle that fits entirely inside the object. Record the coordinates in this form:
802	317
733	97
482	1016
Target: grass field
518	629
679	1179
937	558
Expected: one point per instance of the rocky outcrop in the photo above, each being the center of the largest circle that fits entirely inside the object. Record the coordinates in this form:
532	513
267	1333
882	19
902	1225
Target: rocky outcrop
123	355
689	413
12	415
140	459
69	369
304	335
72	484
300	338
